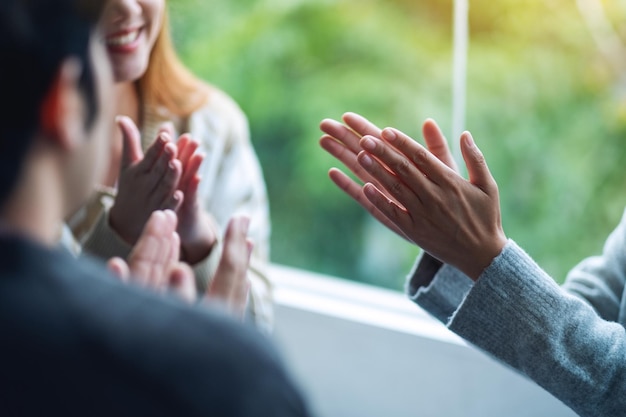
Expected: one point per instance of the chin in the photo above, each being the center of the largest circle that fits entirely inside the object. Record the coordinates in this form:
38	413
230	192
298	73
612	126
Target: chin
130	72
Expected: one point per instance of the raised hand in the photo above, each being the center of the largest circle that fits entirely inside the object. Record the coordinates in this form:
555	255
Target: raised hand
166	177
455	220
230	284
154	261
146	183
342	141
195	227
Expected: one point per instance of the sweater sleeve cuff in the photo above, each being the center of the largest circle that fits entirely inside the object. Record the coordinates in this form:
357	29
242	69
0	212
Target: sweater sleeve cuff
514	286
436	287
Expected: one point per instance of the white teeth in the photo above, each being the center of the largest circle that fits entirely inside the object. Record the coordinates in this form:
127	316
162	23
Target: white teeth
123	39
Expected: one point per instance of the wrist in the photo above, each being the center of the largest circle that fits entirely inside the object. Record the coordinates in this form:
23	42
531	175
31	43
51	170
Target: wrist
196	252
198	246
485	258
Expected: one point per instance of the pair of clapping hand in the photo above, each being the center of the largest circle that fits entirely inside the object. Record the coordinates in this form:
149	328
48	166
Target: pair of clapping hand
417	192
157	211
414	190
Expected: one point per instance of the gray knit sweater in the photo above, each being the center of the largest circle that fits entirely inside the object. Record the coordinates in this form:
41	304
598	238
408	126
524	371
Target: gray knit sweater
571	340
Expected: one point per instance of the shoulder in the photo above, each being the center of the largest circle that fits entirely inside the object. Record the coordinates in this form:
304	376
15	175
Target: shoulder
86	322
207	359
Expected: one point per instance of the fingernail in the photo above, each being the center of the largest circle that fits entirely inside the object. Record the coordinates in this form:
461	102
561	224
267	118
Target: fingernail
389	134
369	189
164	136
368	143
170	149
365	160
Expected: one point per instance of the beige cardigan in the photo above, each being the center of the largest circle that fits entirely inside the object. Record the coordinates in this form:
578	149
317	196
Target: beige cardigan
232	183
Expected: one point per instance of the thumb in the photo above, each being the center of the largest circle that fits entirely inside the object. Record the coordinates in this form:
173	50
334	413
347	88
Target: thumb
131	139
119	268
477	168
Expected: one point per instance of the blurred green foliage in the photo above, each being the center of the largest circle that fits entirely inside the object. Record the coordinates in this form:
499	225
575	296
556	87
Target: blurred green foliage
542	105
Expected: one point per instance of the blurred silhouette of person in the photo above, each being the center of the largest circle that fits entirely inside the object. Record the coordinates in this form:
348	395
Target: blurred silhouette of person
75	340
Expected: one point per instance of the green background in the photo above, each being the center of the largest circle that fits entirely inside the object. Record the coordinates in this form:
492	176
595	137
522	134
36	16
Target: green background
542	104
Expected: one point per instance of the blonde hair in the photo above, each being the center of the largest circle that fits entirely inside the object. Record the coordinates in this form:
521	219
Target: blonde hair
167	82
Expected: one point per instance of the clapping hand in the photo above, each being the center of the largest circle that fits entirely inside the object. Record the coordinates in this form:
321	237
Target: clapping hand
417	192
154	260
154	263
166	177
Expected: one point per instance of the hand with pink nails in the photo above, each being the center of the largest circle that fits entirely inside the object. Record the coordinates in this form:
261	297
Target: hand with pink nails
341	140
146	183
417	192
166	177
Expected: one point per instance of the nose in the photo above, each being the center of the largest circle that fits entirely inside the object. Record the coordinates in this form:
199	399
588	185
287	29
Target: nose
119	11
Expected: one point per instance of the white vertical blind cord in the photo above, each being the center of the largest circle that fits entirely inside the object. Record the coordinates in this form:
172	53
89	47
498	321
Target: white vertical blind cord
459	76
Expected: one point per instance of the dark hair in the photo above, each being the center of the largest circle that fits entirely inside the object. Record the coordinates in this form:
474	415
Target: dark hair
36	36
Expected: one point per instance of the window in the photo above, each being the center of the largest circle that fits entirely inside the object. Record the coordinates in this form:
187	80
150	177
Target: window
541	104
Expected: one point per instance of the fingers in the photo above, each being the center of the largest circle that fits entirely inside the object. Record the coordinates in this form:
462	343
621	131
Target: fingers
176	168
191	190
154	261
401	179
355	191
361	125
131	139
347	184
477	168
342	134
397	215
171	240
186	148
343	143
230	283
410	154
346	156
181	282
437	144
155	249
240	292
155	150
174	202
161	176
235	255
165	184
190	172
119	268
164	163
349	134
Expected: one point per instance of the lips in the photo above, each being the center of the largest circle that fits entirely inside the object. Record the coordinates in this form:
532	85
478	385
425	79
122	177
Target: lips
125	41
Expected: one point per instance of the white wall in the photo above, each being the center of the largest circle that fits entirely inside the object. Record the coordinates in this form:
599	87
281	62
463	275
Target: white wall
361	351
